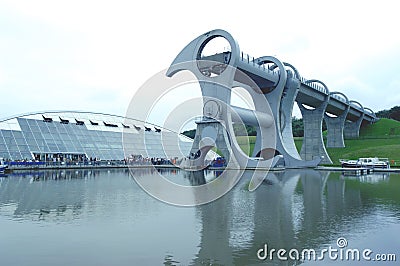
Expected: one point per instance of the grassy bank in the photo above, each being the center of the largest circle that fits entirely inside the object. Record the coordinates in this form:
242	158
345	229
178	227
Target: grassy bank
381	139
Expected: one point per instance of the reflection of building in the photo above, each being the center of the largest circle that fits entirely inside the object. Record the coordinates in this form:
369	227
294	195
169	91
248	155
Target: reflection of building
77	136
69	195
30	195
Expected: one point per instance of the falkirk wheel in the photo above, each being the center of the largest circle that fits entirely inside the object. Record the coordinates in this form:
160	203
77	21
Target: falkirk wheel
274	87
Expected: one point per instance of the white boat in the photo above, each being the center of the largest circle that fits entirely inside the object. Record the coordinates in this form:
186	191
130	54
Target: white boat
370	162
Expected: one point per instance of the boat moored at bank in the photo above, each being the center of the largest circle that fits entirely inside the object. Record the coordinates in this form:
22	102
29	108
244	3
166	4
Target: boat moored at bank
370	162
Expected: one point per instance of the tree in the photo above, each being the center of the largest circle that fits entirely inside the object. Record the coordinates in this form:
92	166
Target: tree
393	113
297	127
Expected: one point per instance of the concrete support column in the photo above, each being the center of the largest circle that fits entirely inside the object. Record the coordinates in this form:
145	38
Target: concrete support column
209	134
335	127
313	144
352	129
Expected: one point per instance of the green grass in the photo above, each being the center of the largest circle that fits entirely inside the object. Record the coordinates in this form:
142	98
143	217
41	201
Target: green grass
381	139
246	143
383	148
384	128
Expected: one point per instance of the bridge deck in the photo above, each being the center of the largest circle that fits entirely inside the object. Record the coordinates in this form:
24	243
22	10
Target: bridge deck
310	93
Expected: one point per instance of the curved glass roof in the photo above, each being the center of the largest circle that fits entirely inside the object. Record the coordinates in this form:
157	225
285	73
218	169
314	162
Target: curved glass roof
93	135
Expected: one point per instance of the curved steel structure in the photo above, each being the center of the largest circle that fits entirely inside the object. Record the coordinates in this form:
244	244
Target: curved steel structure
324	87
274	87
370	111
355	103
295	71
334	93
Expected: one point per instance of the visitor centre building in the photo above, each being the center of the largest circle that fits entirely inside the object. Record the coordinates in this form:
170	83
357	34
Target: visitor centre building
77	136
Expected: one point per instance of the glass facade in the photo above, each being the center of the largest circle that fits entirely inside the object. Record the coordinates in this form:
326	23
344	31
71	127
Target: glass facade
79	135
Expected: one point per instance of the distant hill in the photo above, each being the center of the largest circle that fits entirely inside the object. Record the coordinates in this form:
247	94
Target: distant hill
382	128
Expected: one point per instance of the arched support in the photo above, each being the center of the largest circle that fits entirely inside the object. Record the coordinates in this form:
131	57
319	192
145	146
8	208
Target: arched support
286	110
313	144
352	128
216	76
335	126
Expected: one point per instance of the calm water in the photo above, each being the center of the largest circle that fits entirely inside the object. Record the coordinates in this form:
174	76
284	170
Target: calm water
102	217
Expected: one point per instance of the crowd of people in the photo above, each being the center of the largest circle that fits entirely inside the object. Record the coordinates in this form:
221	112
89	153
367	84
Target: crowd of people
140	160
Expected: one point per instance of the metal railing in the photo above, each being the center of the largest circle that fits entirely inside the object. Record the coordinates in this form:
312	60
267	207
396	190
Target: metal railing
339	97
251	60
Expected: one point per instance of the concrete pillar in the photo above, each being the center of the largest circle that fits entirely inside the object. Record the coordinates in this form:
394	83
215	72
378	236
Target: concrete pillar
313	143
335	127
352	129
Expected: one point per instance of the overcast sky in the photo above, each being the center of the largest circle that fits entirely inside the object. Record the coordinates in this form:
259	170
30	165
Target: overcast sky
93	55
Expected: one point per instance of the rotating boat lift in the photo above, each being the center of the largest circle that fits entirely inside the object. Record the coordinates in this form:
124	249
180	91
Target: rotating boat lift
274	87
